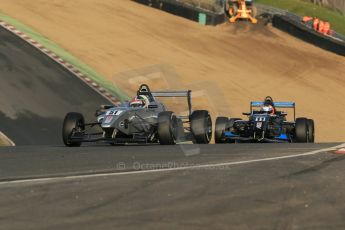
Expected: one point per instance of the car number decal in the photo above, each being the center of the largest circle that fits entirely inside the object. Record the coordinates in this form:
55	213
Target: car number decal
114	112
260	118
108	119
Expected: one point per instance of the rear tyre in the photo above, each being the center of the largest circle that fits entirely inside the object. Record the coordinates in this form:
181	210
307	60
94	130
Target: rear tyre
233	10
311	131
73	122
226	8
221	126
167	128
230	9
301	130
201	126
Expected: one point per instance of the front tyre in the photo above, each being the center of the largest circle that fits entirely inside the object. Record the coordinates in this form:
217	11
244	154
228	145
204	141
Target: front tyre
201	126
311	131
73	122
301	130
167	128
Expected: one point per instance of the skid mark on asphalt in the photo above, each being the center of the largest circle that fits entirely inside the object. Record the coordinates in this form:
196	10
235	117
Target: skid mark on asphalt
318	167
193	167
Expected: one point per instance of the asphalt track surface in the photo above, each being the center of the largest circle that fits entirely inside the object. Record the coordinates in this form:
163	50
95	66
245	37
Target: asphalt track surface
36	93
242	186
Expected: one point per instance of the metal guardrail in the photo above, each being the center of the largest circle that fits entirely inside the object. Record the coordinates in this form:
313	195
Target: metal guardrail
210	6
188	11
308	34
339	36
275	11
262	9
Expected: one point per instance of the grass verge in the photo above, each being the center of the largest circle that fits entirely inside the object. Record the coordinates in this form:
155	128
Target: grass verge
304	8
84	68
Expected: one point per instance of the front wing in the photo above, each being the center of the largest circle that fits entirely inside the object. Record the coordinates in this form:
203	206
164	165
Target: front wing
230	136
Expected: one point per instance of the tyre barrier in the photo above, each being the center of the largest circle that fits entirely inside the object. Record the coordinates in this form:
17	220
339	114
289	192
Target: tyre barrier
306	34
201	16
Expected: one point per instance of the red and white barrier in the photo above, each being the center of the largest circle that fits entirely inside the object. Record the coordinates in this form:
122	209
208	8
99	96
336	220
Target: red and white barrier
340	151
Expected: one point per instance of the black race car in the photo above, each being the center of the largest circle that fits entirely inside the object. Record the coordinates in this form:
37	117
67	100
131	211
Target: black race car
263	126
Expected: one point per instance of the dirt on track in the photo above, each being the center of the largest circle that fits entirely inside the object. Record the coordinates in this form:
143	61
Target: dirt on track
228	65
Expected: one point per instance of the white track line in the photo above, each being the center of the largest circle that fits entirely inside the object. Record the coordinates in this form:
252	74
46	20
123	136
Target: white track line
215	165
7	139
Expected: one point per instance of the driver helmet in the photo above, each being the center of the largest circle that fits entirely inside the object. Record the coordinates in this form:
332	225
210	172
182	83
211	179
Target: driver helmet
268	105
268	109
137	101
268	101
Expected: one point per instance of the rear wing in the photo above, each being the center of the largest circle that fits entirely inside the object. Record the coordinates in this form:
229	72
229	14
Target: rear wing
276	104
187	94
286	105
145	90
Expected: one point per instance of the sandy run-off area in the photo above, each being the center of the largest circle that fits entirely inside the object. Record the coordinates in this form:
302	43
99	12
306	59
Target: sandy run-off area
227	66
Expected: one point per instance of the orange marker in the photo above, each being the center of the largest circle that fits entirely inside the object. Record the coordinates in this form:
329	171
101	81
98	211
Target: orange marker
327	28
316	24
321	26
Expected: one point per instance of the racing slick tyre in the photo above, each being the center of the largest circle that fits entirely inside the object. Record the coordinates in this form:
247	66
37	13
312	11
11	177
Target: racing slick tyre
233	10
73	122
230	9
301	130
311	131
201	126
226	8
167	128
221	126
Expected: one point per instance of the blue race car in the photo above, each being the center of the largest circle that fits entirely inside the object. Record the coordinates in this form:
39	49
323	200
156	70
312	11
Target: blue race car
265	125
